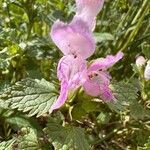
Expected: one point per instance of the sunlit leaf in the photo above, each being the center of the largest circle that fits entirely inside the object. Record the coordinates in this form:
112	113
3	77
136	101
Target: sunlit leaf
7	145
33	96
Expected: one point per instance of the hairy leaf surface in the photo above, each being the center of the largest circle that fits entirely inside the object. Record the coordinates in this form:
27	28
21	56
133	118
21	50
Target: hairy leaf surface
33	96
70	138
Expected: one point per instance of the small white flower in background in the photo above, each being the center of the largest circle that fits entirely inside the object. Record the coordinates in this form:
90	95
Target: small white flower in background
147	71
140	61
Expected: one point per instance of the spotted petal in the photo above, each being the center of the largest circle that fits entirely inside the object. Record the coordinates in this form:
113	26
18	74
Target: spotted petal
99	86
70	69
95	81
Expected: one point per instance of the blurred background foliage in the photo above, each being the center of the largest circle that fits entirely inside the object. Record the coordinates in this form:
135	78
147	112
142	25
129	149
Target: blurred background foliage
26	51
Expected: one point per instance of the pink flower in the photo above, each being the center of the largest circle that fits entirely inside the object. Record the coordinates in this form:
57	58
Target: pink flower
97	78
76	42
88	10
147	71
74	38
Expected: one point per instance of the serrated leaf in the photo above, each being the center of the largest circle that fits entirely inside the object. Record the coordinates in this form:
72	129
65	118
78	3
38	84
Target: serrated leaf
138	111
68	138
125	93
4	85
33	96
7	145
4	104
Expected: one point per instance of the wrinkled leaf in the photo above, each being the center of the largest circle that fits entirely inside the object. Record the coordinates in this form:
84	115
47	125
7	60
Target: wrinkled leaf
7	145
125	93
33	96
69	138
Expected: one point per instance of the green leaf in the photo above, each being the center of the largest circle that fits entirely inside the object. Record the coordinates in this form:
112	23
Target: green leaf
148	144
4	85
33	96
125	93
7	145
138	111
66	138
90	105
100	37
31	141
4	104
18	121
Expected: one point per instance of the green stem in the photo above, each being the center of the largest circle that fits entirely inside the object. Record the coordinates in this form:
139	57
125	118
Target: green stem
134	25
124	19
130	15
137	15
135	31
147	29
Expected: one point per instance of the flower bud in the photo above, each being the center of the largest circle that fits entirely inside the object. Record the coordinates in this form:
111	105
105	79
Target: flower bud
140	61
147	71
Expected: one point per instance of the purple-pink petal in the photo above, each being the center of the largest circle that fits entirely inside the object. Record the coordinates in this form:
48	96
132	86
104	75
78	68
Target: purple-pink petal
88	10
92	6
97	84
62	97
140	61
91	88
106	93
74	38
70	69
94	82
105	63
